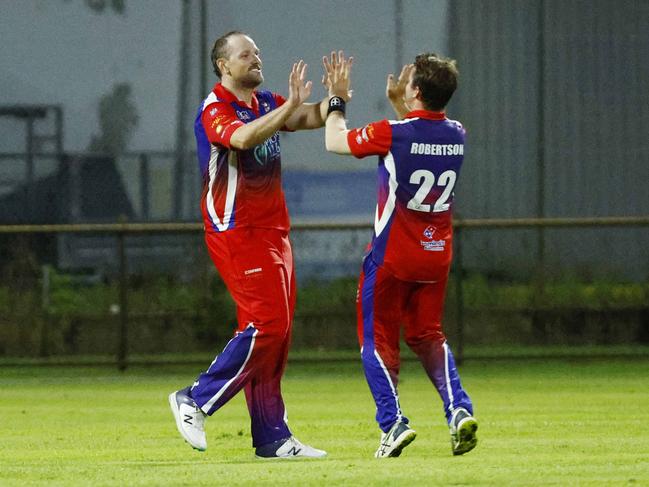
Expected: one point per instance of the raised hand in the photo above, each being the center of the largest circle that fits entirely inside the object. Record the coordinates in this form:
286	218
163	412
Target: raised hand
298	90
395	91
337	71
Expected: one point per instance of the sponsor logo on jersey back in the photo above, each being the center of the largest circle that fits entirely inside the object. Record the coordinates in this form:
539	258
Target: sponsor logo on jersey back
431	244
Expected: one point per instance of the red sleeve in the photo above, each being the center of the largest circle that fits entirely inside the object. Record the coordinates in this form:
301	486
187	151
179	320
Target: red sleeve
373	139
279	101
220	121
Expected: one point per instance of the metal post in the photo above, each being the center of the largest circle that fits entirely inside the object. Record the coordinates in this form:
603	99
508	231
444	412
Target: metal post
74	188
459	295
63	176
29	170
123	303
204	57
45	306
538	319
144	186
540	203
179	169
58	121
398	36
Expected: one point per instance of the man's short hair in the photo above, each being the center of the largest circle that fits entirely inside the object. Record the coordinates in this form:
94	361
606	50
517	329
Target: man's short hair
220	49
436	77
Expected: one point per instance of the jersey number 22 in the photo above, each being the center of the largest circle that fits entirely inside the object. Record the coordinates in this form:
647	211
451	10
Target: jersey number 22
427	179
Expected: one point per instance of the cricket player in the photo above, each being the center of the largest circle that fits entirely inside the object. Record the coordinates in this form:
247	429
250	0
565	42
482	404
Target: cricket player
247	237
404	273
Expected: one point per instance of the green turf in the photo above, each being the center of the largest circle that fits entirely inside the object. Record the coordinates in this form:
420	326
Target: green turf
552	422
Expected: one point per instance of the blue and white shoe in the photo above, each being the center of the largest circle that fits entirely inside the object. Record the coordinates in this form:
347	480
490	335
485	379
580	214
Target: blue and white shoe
463	427
288	448
395	440
190	419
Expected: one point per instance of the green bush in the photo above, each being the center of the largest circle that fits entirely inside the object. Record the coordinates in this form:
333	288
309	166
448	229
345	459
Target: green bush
479	292
79	315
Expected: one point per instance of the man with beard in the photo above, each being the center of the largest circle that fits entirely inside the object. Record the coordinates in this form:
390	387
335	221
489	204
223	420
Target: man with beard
246	231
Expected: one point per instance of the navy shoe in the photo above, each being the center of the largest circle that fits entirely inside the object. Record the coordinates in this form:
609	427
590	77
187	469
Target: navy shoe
394	441
463	427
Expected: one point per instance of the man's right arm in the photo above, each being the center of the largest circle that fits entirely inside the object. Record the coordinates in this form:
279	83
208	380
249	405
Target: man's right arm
395	91
254	133
223	127
399	107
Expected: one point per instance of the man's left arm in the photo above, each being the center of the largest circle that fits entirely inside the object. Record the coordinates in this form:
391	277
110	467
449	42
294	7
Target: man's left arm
372	139
336	133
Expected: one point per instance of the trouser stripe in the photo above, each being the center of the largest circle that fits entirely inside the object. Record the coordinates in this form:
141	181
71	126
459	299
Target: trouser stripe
449	389
394	391
208	405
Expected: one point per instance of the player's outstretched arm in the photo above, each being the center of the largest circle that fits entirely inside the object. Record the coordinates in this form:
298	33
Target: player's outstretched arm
338	81
255	132
396	90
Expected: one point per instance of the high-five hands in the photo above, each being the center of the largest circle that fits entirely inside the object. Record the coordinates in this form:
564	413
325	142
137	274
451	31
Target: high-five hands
298	90
336	78
395	91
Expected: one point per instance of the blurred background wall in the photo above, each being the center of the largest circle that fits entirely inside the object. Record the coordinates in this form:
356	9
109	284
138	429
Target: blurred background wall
98	99
554	96
128	77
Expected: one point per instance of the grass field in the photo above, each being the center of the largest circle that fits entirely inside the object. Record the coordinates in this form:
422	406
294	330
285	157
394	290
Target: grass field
551	422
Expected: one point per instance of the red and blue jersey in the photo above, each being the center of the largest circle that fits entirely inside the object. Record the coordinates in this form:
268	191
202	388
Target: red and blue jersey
241	188
419	164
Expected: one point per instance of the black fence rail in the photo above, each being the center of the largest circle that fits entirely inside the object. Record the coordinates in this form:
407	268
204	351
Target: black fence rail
124	229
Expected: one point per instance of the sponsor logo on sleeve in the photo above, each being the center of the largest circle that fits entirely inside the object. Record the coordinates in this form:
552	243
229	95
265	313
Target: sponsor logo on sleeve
367	133
243	115
217	120
213	111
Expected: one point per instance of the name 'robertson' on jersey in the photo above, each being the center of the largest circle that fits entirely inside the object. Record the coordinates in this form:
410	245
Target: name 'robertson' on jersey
437	149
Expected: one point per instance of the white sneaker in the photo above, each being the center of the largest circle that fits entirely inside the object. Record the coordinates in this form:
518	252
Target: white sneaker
190	419
394	441
288	448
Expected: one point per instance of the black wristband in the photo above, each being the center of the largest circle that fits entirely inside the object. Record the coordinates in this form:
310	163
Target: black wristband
336	104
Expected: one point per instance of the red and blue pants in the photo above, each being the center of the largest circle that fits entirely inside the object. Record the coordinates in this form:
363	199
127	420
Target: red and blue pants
385	304
256	265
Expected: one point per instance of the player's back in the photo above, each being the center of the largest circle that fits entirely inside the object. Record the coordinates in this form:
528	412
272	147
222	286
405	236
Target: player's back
417	179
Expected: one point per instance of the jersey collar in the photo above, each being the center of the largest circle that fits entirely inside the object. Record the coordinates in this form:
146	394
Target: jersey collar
428	114
226	95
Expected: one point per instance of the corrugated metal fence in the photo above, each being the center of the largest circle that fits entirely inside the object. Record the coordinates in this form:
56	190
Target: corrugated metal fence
555	98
